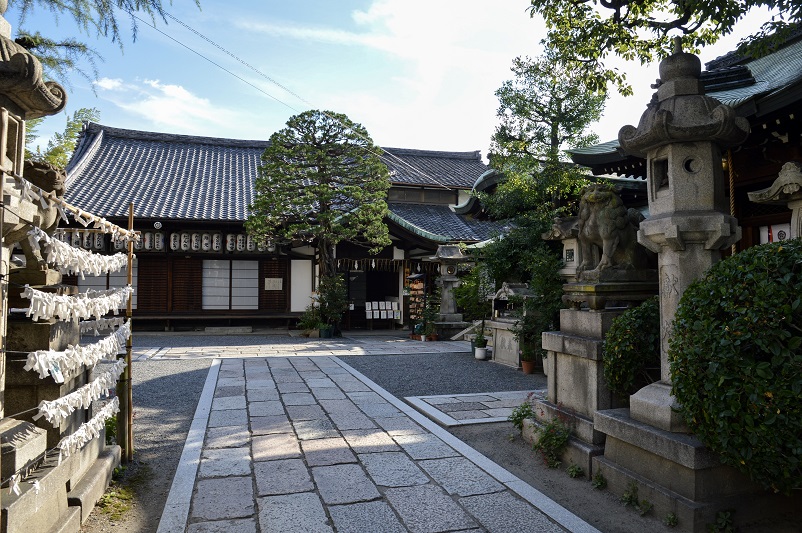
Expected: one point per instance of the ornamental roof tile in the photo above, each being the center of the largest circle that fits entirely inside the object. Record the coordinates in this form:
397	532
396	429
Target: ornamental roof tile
170	176
441	221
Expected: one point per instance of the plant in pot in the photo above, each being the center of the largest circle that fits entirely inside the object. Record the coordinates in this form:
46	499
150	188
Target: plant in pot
310	322
474	298
428	328
480	352
332	303
530	324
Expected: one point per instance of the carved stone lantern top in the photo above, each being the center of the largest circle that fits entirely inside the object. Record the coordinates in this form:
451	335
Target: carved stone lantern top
23	90
680	112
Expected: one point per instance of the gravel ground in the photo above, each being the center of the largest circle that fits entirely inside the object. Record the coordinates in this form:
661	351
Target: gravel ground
165	395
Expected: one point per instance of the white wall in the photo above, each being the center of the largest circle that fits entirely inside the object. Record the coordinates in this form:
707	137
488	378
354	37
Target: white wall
301	287
116	280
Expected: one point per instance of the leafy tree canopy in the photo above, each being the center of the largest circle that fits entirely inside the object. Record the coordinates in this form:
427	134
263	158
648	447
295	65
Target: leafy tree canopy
321	180
588	31
61	145
94	18
545	109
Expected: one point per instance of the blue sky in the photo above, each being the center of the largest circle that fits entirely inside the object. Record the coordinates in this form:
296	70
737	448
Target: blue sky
415	73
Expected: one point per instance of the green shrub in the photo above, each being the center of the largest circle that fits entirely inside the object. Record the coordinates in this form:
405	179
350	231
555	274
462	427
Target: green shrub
631	346
521	413
736	362
552	439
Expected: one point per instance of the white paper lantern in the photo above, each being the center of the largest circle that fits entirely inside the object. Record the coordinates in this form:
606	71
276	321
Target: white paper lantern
231	242
147	237
158	241
185	241
217	242
250	244
196	241
88	240
98	244
241	241
175	241
77	238
206	242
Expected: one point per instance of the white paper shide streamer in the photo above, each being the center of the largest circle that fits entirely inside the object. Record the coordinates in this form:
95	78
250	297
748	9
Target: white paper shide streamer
71	260
84	305
101	324
88	431
57	364
56	411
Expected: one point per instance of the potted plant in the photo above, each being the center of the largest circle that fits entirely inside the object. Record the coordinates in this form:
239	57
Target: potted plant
474	298
529	326
428	327
310	322
480	351
333	302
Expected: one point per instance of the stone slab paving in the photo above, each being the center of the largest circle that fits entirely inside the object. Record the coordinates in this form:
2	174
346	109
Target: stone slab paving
285	346
461	409
299	467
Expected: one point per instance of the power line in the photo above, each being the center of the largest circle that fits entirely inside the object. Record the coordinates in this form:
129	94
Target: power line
398	160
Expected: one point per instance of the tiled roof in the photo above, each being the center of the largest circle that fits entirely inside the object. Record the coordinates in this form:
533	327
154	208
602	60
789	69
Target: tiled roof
772	73
426	167
440	223
171	176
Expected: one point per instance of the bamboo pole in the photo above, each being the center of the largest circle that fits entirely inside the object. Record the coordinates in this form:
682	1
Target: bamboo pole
129	450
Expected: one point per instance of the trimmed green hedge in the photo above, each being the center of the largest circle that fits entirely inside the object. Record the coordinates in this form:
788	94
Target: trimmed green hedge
631	345
736	362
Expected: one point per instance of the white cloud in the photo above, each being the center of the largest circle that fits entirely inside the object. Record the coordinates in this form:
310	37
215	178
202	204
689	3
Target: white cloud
109	84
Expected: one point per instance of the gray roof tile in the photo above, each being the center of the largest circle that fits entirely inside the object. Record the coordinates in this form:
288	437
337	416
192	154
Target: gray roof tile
441	220
186	177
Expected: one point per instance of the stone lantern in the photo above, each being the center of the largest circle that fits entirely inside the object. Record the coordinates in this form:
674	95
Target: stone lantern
449	256
681	134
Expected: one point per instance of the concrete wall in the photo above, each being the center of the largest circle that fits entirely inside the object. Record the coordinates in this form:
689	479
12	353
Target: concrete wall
301	284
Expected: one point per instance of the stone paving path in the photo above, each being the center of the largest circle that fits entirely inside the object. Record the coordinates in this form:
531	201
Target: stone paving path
308	444
463	409
373	345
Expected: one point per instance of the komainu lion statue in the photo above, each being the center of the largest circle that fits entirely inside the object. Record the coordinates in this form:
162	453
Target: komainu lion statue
605	222
49	179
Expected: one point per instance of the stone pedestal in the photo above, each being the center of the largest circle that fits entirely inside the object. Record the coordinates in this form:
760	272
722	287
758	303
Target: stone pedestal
505	345
678	474
576	385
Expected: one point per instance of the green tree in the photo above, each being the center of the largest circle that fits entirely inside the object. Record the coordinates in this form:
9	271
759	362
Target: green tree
543	110
588	32
94	18
321	181
61	145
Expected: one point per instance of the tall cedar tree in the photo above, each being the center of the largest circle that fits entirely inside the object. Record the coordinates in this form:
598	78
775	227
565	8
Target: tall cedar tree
543	110
321	181
586	33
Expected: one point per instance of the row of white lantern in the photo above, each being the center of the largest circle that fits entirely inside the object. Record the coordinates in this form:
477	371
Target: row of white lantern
89	240
155	240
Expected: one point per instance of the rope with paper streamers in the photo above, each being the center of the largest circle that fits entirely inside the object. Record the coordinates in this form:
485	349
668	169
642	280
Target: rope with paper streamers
32	193
56	411
68	445
71	260
56	364
85	305
101	324
89	430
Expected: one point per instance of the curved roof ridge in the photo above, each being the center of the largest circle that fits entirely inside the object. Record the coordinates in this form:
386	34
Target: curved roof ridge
94	127
474	154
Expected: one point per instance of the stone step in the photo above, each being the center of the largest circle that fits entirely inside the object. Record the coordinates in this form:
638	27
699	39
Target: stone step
22	445
28	511
94	482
